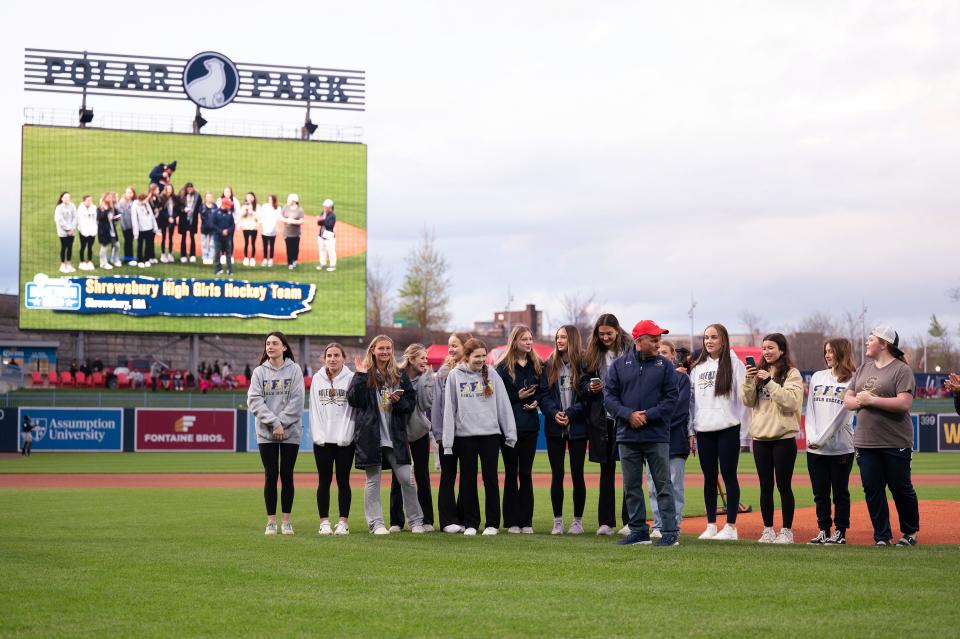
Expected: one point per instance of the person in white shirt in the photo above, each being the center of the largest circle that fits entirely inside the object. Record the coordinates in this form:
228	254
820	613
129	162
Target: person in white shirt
332	427
65	217
716	416
144	228
829	429
327	241
87	228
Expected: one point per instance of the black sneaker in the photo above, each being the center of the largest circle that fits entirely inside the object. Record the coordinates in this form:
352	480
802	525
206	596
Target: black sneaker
907	541
669	539
839	538
820	539
635	538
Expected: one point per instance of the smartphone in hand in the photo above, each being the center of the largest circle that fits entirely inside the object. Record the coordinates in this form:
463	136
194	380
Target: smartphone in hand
751	362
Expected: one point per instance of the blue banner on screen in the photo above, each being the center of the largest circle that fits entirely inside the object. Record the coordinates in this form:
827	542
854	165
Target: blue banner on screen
306	439
145	296
74	429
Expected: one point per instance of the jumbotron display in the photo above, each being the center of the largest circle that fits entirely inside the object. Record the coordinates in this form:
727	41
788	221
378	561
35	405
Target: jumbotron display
161	232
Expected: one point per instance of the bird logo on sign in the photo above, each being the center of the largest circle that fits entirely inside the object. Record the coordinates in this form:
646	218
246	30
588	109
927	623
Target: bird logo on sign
211	80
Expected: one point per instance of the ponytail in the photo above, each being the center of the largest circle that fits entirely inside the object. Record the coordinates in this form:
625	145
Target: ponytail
487	387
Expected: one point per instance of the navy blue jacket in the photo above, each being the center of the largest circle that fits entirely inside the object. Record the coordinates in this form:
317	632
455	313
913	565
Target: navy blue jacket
329	221
528	421
365	403
648	384
223	221
679	440
549	399
206	218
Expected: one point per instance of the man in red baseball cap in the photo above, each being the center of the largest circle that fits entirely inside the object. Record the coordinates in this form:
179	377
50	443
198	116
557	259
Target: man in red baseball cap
641	393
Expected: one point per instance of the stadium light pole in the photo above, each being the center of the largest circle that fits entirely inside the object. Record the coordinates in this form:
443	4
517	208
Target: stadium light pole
693	305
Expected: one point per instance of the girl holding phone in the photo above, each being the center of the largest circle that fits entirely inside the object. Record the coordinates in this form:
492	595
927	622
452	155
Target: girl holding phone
477	413
608	341
275	398
564	424
383	398
520	368
449	508
774	391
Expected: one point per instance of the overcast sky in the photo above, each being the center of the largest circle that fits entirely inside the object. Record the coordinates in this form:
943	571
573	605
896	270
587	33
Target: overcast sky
782	157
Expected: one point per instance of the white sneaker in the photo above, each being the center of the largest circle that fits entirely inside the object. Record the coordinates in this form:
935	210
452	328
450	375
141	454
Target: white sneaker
271	529
380	530
514	530
624	531
331	269
133	263
557	527
207	261
527	530
143	264
106	266
320	268
470	532
223	259
428	528
183	259
576	528
453	529
325	528
116	263
768	536
656	534
785	536
286	528
153	260
605	530
63	268
264	262
727	533
709	533
193	259
395	529
417	530
270	262
490	531
343	528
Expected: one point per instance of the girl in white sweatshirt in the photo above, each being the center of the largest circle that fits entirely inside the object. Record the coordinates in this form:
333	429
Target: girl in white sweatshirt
332	428
476	413
65	217
829	429
87	228
716	413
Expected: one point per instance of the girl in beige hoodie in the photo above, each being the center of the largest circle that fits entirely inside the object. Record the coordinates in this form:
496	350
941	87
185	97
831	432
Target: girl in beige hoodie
774	391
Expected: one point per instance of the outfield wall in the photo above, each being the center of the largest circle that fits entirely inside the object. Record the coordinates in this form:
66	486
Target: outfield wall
232	430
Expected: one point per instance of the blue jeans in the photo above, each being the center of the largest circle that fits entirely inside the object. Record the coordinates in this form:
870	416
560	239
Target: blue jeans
223	245
678	467
657	457
207	241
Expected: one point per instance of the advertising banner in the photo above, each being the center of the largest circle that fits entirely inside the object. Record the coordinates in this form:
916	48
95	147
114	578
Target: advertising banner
306	440
73	429
185	429
948	430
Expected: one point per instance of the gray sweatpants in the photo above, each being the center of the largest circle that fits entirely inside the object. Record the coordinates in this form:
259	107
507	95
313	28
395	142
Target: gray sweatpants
372	505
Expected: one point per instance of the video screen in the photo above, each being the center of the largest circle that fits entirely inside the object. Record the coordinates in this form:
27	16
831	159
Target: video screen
133	231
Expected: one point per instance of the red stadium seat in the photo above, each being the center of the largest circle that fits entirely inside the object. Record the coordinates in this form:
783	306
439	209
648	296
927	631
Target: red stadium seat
147	380
123	381
307	381
97	379
242	381
66	379
36	379
52	378
81	379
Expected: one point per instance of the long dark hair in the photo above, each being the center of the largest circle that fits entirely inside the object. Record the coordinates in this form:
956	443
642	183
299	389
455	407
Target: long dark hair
574	358
287	351
60	199
595	348
842	356
783	365
723	385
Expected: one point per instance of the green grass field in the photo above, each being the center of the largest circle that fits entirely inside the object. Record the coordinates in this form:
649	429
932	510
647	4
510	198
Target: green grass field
93	161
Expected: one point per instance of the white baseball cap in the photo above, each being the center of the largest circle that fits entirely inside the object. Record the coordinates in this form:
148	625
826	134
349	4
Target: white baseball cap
887	334
328	202
293	197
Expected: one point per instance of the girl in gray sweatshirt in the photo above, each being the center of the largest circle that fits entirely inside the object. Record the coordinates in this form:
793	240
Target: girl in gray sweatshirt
275	398
477	413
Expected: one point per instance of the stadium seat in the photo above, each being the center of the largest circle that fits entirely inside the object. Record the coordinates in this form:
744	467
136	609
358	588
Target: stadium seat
97	379
66	379
147	380
52	378
242	381
36	379
307	381
81	379
123	381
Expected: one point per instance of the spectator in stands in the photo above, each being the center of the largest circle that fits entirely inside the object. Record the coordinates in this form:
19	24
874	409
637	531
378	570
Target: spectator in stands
65	218
247	373
85	368
216	381
774	391
216	367
136	379
154	375
164	379
952	385
204	385
98	365
177	380
73	368
275	398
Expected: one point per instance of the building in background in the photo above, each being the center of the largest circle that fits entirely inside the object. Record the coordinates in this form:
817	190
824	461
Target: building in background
504	321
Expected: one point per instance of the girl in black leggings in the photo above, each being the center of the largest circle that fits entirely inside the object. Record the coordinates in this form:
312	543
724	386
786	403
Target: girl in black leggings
564	424
774	391
275	398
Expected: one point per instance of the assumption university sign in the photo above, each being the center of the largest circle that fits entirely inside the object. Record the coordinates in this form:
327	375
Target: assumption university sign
211	80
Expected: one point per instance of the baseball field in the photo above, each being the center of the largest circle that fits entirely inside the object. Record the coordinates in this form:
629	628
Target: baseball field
172	545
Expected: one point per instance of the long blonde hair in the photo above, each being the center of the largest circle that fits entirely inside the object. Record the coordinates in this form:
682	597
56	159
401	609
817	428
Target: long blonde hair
512	354
574	358
411	353
390	376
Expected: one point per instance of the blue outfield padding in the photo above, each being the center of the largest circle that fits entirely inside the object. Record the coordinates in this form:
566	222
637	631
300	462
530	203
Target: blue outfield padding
74	429
306	442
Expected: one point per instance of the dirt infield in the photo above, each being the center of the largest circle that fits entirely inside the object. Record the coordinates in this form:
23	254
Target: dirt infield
937	517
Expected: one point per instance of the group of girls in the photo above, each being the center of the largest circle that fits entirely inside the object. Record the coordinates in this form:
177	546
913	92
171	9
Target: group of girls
160	210
383	415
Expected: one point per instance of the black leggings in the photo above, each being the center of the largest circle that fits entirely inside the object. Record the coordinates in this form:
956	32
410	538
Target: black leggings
518	480
831	474
145	250
268	242
66	248
775	460
183	244
607	500
250	240
556	451
420	452
166	239
287	454
86	247
487	449
293	249
721	446
326	457
449	508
